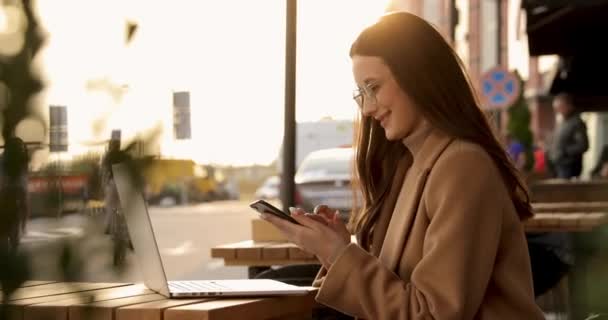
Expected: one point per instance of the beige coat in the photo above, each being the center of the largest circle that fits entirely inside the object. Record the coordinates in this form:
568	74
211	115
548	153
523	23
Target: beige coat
454	247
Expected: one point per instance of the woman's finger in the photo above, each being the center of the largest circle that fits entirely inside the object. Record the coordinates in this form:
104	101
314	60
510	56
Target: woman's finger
312	223
288	228
320	208
294	210
300	212
317	218
326	212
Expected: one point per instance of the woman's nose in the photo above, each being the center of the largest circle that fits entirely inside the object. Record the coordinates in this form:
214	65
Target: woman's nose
368	108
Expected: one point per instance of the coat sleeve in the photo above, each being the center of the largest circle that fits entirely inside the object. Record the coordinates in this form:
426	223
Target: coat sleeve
464	197
580	141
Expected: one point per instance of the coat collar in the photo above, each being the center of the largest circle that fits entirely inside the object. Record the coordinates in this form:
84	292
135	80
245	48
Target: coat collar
409	197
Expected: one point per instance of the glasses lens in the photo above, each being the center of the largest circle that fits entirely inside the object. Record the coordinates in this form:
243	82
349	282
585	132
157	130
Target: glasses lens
359	100
358	97
369	93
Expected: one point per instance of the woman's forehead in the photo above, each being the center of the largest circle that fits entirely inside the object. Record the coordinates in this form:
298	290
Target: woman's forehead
366	68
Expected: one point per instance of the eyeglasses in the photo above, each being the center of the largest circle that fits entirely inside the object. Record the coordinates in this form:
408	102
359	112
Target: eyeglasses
367	93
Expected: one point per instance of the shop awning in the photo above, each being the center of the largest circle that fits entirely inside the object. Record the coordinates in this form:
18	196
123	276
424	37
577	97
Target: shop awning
586	78
566	27
576	30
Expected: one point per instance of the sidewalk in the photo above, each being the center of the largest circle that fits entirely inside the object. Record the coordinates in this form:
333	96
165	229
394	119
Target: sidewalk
45	238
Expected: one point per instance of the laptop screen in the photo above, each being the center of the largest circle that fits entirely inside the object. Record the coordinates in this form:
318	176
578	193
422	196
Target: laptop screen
140	229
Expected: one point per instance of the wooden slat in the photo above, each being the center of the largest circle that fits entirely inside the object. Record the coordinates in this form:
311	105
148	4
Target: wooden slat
245	248
570	220
60	288
266	263
225	251
277	251
593	220
547	220
58	309
152	310
104	310
251	309
17	307
251	250
266	253
569	191
566	222
33	283
133	302
548	207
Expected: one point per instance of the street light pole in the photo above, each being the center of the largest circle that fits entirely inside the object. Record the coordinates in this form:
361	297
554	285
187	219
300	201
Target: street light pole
453	21
500	114
289	137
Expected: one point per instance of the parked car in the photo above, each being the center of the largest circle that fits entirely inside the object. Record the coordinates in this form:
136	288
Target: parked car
324	177
269	190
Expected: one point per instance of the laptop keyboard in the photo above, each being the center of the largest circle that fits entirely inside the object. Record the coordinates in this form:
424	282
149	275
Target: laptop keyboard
196	286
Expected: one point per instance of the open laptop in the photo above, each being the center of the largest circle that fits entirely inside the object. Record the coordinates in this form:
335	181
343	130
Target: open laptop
146	251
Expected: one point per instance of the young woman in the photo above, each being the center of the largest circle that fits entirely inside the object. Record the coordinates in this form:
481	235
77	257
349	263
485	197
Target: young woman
439	232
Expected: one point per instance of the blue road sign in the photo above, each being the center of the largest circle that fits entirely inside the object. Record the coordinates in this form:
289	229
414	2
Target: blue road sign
499	88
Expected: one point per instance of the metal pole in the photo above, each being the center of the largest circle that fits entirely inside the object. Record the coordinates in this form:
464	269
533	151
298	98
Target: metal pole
499	62
453	21
499	32
289	137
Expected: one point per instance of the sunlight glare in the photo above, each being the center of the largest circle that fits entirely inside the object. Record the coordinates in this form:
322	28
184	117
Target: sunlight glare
228	54
12	25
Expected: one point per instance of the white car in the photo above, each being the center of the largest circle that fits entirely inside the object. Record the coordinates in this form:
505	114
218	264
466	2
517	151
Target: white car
324	177
269	190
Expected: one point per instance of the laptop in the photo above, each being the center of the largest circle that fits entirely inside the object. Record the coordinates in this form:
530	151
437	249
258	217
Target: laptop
146	251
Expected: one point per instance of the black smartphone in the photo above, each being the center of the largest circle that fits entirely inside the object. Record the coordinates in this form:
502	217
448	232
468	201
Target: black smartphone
262	206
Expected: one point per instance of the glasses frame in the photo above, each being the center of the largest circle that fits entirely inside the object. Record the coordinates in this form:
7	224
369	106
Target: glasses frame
367	93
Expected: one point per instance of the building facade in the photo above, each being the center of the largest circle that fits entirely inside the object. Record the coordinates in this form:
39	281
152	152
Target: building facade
487	33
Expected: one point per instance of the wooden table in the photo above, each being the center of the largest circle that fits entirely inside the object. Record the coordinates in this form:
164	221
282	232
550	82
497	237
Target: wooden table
262	253
124	301
559	190
579	219
566	222
555	207
274	253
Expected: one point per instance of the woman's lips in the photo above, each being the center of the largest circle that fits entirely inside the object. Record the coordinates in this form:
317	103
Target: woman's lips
383	119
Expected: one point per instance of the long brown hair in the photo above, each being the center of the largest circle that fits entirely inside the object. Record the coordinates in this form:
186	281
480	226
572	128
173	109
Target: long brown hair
427	68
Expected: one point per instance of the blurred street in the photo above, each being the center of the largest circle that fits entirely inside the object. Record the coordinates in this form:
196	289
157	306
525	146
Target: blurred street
185	235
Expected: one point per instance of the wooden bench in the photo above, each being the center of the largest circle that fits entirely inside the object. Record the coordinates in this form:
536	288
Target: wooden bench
125	301
274	253
571	200
559	190
565	207
565	222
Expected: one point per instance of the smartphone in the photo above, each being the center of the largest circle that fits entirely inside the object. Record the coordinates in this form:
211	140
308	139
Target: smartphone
262	206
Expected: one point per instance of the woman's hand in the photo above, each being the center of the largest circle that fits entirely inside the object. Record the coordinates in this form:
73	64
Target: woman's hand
322	234
333	220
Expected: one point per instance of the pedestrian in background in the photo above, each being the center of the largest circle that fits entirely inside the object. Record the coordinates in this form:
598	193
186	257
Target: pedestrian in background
569	141
14	200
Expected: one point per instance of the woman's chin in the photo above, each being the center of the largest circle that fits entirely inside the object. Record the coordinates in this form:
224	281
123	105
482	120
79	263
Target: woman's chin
393	136
390	136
